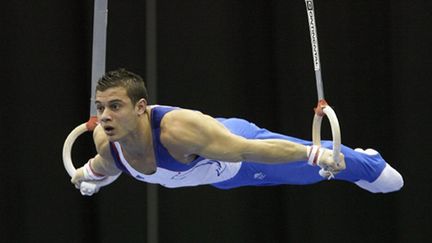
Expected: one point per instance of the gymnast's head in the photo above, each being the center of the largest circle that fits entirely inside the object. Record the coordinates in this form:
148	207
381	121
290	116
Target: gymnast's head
121	78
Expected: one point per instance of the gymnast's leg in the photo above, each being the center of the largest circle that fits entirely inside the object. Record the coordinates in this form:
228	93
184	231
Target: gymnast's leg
365	168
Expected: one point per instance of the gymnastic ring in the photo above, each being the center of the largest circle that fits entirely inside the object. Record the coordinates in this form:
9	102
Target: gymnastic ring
67	158
323	109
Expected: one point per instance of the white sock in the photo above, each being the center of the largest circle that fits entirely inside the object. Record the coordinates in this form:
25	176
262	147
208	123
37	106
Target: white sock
388	181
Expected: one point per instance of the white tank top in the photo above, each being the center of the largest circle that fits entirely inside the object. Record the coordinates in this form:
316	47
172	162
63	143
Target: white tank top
203	172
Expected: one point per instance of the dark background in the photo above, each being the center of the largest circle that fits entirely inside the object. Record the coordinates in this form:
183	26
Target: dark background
248	59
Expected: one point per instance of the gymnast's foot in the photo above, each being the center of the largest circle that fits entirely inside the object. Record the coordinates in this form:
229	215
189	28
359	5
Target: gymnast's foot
388	181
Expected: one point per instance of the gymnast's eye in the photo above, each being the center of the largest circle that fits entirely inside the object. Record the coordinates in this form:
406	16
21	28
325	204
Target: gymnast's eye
115	106
99	108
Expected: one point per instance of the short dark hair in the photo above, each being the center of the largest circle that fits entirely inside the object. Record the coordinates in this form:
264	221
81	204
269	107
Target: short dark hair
133	83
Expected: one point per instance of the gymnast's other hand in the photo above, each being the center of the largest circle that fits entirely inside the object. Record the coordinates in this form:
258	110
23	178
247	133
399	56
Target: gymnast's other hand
78	177
324	158
85	173
328	164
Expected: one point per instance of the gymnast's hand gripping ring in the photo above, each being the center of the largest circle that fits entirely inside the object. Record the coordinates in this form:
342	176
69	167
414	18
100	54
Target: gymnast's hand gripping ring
90	187
323	109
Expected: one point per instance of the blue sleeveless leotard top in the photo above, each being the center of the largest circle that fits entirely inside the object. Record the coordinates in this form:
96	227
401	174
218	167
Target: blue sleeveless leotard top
170	172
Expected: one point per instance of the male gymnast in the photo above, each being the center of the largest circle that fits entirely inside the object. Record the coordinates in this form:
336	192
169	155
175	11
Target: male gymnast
177	147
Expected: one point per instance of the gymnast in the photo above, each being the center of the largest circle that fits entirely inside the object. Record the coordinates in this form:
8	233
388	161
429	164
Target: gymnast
177	147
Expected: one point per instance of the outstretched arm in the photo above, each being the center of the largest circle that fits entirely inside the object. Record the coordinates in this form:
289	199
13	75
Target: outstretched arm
195	133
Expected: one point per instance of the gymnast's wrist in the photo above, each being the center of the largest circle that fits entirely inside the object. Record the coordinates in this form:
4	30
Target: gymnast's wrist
90	173
313	154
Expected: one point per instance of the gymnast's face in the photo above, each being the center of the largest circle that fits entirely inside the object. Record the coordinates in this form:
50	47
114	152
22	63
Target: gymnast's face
116	113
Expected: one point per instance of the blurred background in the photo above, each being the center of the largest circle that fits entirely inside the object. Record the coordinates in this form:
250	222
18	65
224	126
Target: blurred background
228	58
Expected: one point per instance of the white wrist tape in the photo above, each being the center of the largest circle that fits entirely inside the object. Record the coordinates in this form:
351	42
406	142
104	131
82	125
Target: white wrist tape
314	153
89	174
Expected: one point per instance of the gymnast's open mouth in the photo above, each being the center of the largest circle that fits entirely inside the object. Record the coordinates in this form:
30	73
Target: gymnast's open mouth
109	130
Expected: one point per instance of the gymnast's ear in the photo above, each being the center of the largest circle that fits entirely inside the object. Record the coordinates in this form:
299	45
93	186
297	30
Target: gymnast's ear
141	106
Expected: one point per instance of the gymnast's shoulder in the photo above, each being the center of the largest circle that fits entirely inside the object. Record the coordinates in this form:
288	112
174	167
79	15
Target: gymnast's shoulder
185	119
101	141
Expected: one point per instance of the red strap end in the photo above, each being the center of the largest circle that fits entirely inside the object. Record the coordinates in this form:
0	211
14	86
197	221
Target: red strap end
319	108
92	123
